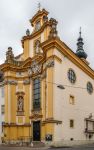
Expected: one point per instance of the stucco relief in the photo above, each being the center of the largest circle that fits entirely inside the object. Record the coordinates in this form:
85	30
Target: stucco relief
12	82
36	115
35	68
49	63
26	82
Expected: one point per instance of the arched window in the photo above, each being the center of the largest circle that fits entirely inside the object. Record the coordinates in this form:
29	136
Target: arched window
36	93
20	104
37	26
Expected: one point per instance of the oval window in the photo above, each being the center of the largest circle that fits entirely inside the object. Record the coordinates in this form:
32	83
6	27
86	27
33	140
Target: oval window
89	88
71	76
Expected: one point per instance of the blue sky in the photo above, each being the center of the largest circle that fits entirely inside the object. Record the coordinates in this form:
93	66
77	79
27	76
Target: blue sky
70	14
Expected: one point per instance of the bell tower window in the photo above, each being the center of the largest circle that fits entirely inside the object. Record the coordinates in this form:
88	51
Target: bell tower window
37	26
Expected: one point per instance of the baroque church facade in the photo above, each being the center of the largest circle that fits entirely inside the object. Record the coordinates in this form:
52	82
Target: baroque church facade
48	88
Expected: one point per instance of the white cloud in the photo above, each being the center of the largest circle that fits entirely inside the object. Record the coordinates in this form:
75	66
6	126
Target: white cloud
70	14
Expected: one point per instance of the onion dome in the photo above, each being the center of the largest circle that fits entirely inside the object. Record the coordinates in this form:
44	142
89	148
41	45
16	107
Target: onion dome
80	51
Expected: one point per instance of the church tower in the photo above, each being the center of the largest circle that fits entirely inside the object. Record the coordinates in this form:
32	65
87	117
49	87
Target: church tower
80	51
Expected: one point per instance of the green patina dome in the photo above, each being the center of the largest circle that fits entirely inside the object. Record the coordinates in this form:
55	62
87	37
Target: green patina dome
80	51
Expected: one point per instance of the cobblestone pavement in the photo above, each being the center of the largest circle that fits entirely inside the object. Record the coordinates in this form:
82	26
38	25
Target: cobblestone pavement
84	147
88	147
21	148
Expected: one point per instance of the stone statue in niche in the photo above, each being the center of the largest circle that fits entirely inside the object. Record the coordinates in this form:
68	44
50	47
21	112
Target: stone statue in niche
20	103
37	46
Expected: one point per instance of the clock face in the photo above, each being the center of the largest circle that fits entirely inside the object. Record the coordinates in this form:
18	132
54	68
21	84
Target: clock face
38	25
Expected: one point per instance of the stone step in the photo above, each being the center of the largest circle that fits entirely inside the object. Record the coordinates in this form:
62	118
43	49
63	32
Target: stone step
38	144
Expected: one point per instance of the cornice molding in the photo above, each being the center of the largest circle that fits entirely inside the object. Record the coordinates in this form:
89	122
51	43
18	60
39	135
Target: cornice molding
11	82
10	67
36	33
20	92
16	125
51	121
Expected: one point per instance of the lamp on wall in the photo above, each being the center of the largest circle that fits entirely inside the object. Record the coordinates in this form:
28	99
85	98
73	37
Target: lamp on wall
61	87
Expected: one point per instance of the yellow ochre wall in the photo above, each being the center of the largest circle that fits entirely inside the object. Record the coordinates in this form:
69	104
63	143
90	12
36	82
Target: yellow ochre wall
26	49
17	132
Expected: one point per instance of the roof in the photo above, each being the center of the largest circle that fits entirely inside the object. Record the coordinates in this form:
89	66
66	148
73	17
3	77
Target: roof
65	50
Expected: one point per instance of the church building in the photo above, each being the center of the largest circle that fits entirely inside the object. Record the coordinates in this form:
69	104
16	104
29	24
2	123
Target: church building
49	89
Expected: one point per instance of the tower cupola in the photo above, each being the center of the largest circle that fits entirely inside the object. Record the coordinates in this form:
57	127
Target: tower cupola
80	51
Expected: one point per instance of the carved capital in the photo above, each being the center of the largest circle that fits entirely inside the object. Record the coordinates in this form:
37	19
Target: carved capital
26	82
12	82
49	63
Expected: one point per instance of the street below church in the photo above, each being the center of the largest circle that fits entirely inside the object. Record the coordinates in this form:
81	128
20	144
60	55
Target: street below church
86	147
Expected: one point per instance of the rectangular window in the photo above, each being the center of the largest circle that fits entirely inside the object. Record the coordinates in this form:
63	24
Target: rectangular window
2	91
72	100
2	109
71	123
36	94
